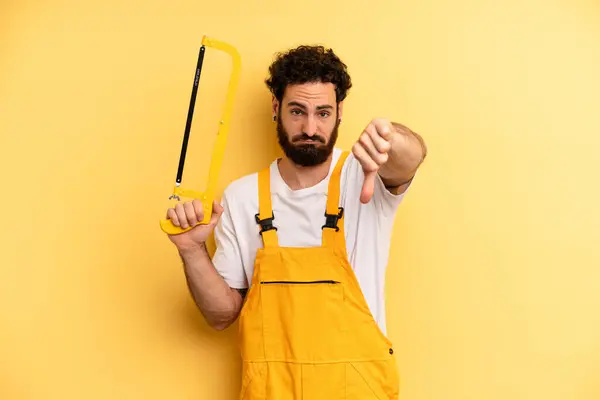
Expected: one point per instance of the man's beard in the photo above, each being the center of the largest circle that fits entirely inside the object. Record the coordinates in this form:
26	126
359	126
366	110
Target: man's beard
307	154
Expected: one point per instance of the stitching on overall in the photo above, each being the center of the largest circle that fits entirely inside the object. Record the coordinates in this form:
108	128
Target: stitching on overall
365	381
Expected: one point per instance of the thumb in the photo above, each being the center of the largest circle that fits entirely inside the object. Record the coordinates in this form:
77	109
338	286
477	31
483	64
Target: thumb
368	187
217	210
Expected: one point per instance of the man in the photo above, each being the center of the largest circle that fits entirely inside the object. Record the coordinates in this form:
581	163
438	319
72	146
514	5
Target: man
302	246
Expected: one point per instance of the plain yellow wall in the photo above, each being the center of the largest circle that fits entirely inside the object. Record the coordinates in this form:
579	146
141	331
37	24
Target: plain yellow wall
494	279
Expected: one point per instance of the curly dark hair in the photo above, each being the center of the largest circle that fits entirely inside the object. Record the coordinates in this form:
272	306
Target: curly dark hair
305	64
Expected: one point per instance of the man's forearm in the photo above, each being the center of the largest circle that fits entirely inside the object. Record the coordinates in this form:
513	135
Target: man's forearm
218	303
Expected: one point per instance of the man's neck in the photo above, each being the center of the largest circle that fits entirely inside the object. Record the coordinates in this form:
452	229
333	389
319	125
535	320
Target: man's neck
298	177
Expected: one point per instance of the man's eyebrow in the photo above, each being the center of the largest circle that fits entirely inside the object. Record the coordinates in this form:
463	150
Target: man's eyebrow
325	107
321	107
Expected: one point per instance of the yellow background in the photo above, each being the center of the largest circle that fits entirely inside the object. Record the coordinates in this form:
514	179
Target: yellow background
494	280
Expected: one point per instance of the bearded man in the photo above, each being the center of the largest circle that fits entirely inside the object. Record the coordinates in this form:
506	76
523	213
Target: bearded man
302	246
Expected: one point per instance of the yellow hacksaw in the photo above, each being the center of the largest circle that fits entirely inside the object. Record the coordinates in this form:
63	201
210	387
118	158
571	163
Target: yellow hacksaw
216	161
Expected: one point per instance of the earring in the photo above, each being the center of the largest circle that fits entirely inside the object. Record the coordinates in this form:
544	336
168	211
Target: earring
274	118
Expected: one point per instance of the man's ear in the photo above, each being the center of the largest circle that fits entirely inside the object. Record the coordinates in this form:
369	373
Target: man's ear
274	107
340	109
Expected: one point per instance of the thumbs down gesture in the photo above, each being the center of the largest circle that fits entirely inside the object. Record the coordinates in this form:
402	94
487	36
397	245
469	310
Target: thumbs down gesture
371	150
390	150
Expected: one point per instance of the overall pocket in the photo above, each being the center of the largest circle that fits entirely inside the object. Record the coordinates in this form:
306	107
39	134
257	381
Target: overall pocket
303	320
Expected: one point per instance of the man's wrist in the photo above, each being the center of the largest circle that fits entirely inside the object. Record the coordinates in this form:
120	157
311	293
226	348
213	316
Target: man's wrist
192	250
390	183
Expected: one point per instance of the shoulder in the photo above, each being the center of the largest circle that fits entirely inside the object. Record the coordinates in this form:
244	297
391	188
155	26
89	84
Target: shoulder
241	185
242	192
240	195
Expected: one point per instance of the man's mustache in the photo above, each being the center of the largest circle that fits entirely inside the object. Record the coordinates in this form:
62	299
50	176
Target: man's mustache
305	137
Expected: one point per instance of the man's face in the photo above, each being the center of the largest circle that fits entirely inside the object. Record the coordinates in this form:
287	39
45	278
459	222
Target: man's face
307	122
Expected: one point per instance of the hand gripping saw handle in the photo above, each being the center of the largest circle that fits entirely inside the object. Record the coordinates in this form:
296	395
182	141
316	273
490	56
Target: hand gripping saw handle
219	148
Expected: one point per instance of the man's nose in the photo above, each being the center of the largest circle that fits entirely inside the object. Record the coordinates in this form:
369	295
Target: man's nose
310	126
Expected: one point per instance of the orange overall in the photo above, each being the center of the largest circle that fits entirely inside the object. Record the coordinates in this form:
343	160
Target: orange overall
306	331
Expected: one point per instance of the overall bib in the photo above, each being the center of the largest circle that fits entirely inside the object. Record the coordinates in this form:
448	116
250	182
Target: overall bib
306	331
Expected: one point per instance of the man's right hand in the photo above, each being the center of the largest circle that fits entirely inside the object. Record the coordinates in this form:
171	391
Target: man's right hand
189	214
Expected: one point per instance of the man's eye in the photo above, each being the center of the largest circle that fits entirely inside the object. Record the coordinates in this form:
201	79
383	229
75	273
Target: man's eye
296	112
324	114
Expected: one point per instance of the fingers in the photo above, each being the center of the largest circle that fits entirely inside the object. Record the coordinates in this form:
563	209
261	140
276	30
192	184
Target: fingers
216	213
191	213
198	210
180	209
186	214
217	208
383	127
172	215
374	145
371	151
368	187
380	142
364	158
370	168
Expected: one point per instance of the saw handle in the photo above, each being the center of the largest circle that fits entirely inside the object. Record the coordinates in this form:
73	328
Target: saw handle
170	228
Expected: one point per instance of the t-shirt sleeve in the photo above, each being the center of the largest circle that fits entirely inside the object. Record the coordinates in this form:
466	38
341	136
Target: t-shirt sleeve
228	255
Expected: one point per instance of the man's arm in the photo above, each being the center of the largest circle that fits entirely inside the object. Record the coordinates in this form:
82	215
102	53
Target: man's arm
219	304
406	153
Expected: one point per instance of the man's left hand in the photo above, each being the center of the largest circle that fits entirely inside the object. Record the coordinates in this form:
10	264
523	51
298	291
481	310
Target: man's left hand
371	150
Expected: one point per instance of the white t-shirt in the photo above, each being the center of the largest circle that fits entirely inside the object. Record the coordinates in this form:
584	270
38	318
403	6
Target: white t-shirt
299	216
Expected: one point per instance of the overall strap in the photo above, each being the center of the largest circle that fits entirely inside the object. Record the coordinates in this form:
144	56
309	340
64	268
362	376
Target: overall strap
265	216
333	230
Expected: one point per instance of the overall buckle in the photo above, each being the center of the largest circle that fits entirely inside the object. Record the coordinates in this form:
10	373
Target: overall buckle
331	220
265	224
